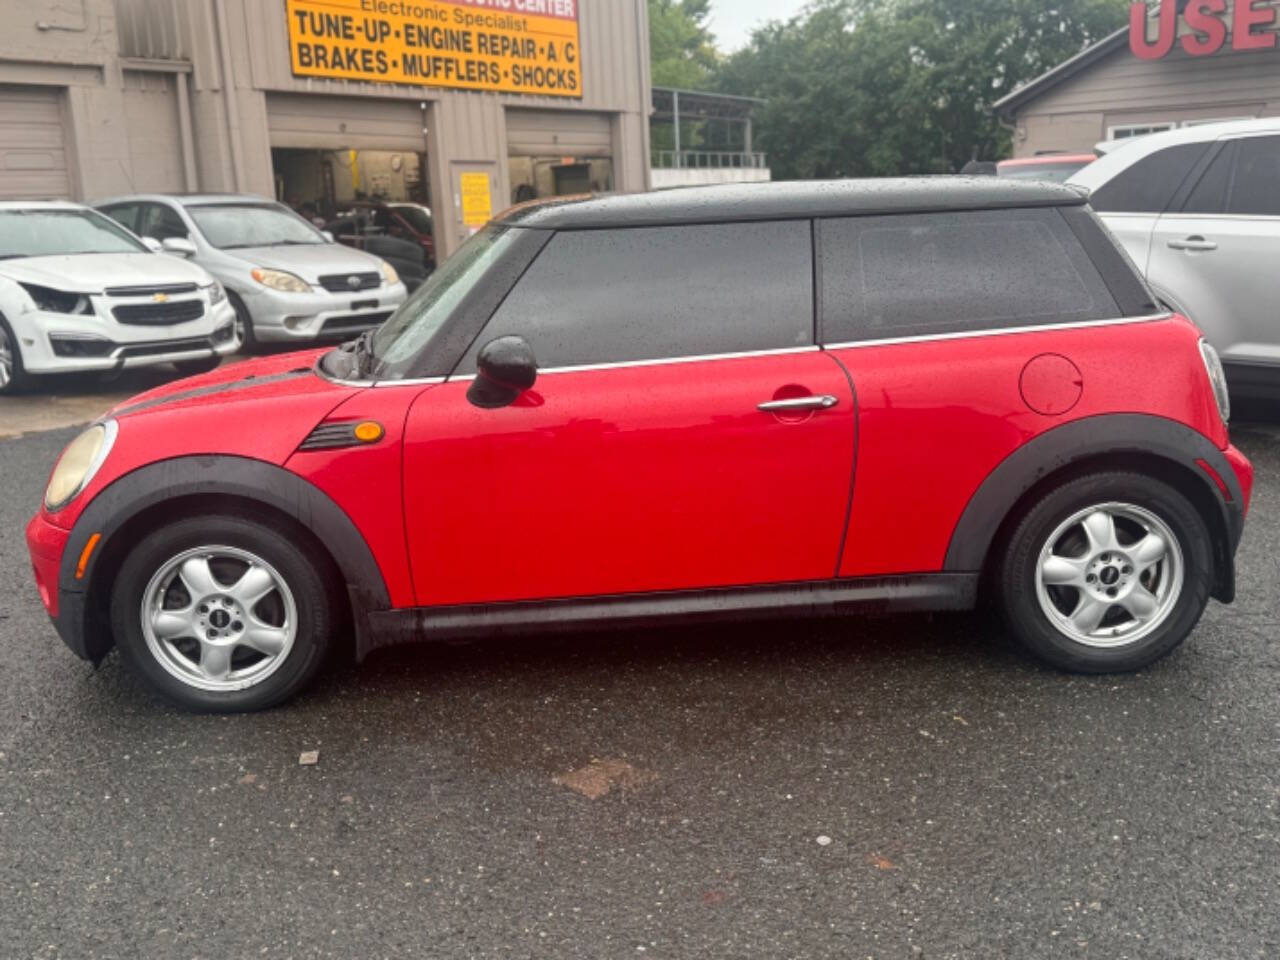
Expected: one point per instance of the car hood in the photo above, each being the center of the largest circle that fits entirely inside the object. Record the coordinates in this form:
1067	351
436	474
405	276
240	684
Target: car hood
265	377
93	272
310	261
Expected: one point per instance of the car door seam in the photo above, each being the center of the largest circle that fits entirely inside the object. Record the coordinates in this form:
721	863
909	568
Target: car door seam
853	466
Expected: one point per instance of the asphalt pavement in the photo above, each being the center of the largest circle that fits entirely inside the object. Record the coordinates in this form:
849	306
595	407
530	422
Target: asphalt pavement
903	787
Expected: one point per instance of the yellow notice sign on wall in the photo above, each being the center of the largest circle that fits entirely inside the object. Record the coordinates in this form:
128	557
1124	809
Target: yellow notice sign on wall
477	207
512	46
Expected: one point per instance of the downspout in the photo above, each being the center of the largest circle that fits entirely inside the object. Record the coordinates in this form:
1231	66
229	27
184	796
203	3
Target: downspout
188	141
228	93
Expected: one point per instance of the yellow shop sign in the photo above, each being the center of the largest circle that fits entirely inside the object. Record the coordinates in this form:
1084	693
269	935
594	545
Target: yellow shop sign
511	46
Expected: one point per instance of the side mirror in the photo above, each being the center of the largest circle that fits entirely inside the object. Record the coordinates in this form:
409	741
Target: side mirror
152	244
328	236
505	369
178	246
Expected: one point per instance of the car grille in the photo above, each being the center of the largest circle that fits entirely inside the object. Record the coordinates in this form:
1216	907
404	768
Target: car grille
164	346
354	322
341	282
149	290
159	314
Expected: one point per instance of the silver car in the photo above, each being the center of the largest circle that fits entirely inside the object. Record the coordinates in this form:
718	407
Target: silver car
288	281
1198	210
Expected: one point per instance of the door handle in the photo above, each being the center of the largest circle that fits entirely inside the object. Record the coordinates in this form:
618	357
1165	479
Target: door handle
823	401
1193	243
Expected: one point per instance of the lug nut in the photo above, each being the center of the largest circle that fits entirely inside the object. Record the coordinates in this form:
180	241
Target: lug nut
237	626
212	634
1127	569
204	608
1111	592
1090	578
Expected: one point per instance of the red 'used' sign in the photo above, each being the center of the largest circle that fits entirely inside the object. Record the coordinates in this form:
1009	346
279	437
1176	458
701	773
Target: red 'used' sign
1204	18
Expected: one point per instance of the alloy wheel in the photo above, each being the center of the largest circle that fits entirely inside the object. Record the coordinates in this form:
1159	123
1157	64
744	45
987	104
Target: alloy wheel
1109	575
219	618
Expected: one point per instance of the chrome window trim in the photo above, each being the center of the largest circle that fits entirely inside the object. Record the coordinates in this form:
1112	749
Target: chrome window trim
812	348
965	334
695	358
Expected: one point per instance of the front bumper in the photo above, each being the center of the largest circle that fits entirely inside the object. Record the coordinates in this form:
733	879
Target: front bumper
285	317
60	343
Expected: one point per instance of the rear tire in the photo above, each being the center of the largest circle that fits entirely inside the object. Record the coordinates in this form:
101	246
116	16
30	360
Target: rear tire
13	375
1107	573
222	614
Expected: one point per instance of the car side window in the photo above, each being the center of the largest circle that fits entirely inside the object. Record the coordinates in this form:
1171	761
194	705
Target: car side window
926	274
125	214
1148	185
1255	188
1210	192
646	293
161	222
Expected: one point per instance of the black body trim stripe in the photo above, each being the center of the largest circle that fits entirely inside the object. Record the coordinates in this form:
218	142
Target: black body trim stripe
209	390
80	621
898	594
1106	434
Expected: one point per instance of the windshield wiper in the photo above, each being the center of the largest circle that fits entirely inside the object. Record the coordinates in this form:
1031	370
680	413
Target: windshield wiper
13	256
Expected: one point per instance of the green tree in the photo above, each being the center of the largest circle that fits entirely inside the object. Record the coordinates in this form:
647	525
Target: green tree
681	50
878	87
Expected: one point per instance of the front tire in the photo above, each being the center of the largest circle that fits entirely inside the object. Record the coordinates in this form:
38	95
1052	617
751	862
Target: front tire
1107	573
13	375
222	614
244	325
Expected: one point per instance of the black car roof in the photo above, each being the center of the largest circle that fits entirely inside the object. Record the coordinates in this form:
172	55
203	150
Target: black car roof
792	199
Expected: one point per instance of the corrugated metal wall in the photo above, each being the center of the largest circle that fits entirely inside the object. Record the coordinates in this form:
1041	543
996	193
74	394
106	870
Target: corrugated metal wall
267	105
155	139
551	132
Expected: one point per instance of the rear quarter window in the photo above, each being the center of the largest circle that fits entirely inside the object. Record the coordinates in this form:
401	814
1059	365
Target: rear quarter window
926	274
1148	185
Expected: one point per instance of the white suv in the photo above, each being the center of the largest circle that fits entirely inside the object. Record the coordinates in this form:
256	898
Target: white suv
1198	209
79	292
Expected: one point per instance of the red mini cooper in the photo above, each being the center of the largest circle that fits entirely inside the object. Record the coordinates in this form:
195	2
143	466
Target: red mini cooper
772	399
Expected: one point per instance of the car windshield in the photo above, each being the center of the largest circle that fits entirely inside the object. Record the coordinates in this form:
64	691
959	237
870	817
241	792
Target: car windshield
1053	172
408	330
43	233
415	216
231	225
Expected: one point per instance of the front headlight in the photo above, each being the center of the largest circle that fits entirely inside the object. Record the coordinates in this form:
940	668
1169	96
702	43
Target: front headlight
389	274
1218	378
216	293
58	301
78	463
279	280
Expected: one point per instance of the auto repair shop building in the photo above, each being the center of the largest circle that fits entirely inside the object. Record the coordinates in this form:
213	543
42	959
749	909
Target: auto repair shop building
1178	66
465	105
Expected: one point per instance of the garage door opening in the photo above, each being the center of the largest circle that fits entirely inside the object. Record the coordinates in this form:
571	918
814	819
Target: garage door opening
555	153
375	200
533	177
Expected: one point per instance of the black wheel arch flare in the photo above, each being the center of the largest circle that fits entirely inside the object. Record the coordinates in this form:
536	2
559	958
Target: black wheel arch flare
1105	441
81	621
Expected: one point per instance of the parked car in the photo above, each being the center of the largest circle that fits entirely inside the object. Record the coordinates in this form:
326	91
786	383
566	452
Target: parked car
355	228
410	222
1198	210
703	434
286	280
78	292
1054	167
